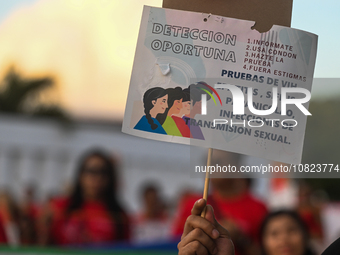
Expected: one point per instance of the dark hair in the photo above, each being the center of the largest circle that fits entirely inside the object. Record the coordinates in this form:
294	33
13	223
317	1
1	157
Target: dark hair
109	192
149	187
173	94
149	96
196	91
294	216
186	95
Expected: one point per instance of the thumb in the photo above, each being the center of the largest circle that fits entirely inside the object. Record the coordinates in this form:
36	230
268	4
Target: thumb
210	216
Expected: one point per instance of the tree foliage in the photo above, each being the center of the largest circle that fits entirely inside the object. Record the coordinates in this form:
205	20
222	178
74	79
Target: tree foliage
16	92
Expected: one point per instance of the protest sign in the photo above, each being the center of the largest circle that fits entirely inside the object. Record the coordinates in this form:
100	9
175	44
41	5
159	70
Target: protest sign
214	82
265	13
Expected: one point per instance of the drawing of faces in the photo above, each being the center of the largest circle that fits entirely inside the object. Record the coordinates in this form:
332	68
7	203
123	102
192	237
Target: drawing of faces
175	100
197	107
176	107
186	108
160	104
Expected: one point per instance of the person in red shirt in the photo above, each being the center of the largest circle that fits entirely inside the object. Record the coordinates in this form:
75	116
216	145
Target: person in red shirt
234	206
91	214
28	213
152	224
9	219
310	213
3	238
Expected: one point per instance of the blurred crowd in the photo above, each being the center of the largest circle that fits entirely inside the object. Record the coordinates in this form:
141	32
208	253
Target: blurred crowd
91	214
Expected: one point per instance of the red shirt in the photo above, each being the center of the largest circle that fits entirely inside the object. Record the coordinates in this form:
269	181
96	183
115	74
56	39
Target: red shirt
92	224
151	230
182	127
311	221
245	210
3	238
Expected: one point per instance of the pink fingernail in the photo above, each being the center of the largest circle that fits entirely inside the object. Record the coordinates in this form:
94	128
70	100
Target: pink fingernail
215	233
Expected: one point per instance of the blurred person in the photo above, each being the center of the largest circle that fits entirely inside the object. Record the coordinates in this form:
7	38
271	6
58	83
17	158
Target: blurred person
91	214
283	190
309	213
28	214
3	237
152	224
9	219
235	207
284	233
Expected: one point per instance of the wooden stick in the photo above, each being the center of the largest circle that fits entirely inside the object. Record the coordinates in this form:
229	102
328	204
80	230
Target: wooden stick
206	183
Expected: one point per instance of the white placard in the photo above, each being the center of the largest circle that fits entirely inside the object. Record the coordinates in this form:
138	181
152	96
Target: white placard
181	54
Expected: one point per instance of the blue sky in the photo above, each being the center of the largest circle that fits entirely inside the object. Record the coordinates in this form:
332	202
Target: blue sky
321	18
7	6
